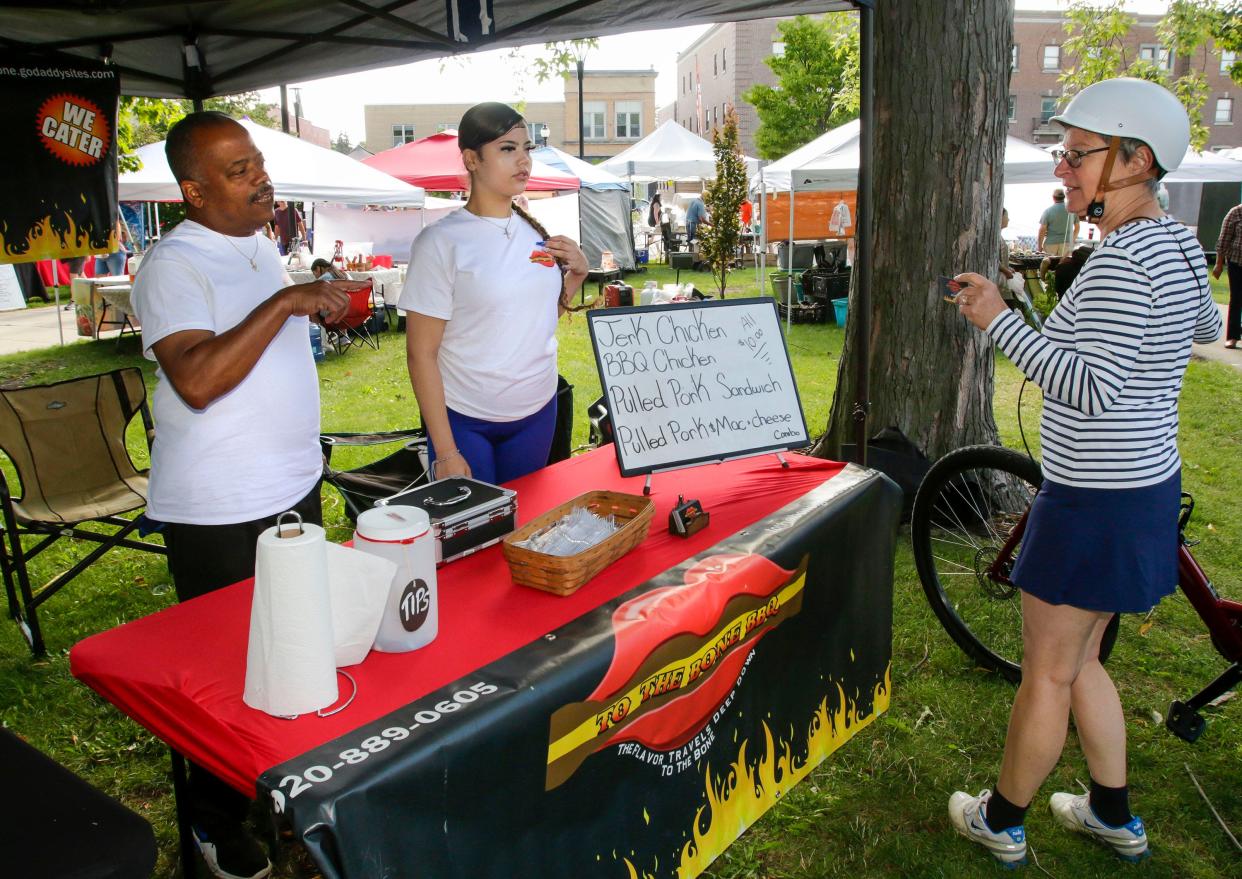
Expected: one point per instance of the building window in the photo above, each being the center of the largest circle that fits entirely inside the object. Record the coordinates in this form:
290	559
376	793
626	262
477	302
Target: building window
539	133
1052	57
1227	60
1224	111
593	119
402	134
629	120
445	126
1047	109
778	49
1013	57
1156	54
1013	108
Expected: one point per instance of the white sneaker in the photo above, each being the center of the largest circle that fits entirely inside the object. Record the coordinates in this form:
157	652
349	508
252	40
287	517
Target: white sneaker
1129	841
966	812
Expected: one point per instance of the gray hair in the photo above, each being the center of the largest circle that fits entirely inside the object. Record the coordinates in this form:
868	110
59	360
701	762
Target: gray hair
1129	149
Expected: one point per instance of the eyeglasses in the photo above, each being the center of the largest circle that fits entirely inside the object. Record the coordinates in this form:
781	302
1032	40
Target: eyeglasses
1073	158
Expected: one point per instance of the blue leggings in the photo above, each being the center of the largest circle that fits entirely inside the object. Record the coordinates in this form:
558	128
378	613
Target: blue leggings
498	451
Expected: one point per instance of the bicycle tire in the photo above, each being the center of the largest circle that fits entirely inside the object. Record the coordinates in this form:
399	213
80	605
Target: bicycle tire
957	529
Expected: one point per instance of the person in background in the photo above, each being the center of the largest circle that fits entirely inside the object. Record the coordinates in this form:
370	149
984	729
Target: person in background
1058	228
321	267
1068	268
484	291
289	225
1229	254
236	403
114	263
696	213
1101	535
747	212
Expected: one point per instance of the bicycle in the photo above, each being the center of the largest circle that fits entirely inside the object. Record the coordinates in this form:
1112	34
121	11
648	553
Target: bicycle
966	526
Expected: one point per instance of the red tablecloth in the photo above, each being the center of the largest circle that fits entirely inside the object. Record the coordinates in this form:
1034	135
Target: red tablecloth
181	672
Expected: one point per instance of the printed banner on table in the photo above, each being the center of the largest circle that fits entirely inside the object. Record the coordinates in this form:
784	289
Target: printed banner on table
59	154
638	741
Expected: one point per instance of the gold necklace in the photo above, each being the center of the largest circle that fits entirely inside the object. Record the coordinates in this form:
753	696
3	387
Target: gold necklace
250	259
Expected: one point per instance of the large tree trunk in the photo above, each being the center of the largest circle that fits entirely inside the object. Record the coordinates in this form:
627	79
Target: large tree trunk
941	85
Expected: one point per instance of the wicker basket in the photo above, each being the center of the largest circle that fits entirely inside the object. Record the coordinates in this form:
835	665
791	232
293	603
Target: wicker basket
564	575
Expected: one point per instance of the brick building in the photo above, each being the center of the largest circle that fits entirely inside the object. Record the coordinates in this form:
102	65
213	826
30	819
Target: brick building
619	107
1035	89
717	68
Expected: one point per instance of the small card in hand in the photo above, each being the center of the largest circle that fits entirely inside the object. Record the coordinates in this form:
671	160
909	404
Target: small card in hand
949	288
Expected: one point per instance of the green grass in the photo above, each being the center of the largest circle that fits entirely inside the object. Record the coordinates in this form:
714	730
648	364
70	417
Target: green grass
1220	288
877	807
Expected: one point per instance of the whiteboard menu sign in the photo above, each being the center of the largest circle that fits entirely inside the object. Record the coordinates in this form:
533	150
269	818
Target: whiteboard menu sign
696	382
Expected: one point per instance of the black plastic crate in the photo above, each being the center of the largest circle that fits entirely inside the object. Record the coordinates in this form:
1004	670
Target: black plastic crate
820	284
805	313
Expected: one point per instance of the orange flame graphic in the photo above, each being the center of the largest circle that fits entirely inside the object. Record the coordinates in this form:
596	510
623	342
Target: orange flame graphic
53	240
740	796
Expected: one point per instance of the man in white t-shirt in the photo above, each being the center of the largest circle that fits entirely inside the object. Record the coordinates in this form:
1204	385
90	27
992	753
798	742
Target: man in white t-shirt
236	403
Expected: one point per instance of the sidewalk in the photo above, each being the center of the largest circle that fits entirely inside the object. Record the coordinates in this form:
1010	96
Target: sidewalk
32	328
1217	351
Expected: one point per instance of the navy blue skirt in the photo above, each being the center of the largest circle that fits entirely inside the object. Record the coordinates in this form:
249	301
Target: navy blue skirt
1101	549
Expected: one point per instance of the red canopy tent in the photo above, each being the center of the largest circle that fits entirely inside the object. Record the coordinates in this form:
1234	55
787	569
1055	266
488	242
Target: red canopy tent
434	163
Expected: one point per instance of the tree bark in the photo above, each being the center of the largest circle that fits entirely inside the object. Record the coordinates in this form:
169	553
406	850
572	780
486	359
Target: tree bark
941	87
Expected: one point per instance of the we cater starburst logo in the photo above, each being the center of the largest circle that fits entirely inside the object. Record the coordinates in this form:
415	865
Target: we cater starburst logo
74	129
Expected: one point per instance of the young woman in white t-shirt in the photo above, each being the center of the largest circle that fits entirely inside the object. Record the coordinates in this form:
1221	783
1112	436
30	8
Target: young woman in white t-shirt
485	288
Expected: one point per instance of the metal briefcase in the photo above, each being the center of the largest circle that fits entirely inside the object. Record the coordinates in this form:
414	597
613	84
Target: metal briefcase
466	515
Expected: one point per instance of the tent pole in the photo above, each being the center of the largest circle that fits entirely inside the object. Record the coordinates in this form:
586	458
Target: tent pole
789	284
284	108
862	313
60	328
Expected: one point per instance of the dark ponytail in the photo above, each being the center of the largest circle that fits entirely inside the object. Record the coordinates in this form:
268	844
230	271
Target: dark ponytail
543	233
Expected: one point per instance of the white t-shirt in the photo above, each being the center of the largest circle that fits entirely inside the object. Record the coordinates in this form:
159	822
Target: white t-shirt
498	354
255	451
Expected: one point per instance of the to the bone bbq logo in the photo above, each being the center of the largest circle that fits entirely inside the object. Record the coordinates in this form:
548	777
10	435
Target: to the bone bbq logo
74	129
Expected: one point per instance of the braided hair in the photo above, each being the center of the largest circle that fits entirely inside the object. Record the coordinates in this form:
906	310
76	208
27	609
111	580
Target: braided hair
484	123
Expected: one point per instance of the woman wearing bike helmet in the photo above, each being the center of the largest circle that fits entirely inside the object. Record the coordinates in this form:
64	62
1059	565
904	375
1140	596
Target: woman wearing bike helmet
1101	538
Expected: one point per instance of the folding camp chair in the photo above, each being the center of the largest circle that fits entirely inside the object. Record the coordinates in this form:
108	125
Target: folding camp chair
56	824
355	327
361	487
67	442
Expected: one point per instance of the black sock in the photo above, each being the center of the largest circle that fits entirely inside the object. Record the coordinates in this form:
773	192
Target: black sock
1001	814
1111	804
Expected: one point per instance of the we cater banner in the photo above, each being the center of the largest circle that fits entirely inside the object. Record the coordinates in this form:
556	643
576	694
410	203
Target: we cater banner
59	157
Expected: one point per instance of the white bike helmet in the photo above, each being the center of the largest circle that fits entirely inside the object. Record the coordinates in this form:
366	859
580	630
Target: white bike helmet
1128	107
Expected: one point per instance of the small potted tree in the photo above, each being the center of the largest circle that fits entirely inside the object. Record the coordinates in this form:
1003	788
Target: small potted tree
723	197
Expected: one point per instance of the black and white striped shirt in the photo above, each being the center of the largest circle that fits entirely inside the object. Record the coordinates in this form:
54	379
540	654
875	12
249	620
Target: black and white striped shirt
1112	355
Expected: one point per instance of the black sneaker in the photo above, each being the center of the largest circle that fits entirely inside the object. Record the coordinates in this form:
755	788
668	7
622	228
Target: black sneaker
232	853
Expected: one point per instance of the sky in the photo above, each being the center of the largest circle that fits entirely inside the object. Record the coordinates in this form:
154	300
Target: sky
336	103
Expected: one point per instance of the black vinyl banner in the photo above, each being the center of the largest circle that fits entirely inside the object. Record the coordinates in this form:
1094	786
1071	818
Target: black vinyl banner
59	154
643	738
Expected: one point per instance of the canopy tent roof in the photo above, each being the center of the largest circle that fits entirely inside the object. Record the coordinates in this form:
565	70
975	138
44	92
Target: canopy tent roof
434	162
671	152
835	166
591	176
776	174
200	49
300	171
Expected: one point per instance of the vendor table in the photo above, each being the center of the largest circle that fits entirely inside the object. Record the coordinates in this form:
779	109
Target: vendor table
600	277
636	727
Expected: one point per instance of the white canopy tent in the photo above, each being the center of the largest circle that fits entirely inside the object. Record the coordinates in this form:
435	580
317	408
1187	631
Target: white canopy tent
671	152
603	208
300	171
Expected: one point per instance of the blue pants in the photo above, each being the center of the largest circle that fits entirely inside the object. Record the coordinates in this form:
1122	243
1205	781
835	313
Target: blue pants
112	264
498	451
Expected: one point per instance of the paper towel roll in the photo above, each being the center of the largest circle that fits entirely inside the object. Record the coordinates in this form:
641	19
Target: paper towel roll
358	584
289	664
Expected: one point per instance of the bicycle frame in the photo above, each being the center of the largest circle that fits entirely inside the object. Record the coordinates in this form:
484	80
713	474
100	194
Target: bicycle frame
1221	616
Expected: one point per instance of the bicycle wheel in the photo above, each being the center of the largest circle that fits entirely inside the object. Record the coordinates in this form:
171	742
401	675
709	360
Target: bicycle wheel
965	509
